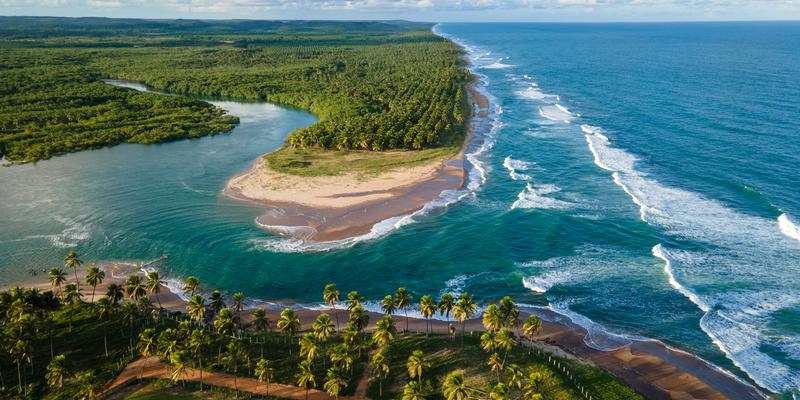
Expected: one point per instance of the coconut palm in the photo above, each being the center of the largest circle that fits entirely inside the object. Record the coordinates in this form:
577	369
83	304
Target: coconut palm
331	296
216	302
509	313
500	392
446	305
56	372
72	295
198	341
305	378
416	365
114	293
380	370
532	327
533	386
191	286
454	387
402	301
94	277
260	321
323	327
359	319
87	386
104	310
308	347
234	353
20	352
134	288
73	261
129	313
353	299
463	310
179	361
264	373
289	324
427	307
334	382
492	320
147	345
504	340
514	376
238	305
225	323
388	305
413	391
153	285
384	331
495	364
487	341
196	308
57	278
342	357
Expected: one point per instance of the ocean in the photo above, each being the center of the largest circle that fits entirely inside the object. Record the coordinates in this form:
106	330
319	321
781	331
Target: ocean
641	179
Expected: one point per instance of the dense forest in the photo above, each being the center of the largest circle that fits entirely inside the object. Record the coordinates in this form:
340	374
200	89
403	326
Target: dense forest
374	85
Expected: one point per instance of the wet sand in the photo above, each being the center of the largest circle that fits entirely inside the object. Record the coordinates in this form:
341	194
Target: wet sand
341	207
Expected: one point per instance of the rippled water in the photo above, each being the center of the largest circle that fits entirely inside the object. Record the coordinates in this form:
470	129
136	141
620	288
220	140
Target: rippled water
644	182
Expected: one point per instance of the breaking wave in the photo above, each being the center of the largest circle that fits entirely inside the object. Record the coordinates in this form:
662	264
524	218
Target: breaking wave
556	112
789	227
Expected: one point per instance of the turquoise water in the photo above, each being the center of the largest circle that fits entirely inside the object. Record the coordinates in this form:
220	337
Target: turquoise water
641	179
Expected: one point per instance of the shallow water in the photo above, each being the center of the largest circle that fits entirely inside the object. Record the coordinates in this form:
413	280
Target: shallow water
643	182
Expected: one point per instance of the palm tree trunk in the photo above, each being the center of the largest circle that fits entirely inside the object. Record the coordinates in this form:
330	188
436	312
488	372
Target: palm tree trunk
105	340
380	388
77	282
19	378
405	311
94	287
201	373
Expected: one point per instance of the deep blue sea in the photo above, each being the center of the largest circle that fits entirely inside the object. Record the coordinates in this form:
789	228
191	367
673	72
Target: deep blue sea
639	178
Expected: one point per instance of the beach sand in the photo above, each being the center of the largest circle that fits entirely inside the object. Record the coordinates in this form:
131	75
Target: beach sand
330	208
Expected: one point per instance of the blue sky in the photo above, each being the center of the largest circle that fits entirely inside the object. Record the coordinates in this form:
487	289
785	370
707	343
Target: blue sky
418	10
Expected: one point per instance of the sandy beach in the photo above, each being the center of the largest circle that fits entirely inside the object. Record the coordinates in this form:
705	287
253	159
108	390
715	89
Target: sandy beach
330	208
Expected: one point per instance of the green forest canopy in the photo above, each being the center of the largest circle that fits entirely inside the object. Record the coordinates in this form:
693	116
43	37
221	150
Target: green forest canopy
373	85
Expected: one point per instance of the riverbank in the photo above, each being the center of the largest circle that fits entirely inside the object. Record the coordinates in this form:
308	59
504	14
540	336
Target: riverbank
649	367
346	205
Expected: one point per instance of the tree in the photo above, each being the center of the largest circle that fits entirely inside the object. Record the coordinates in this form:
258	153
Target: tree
105	308
427	307
134	288
509	313
384	331
94	277
198	340
191	286
179	361
353	299
20	352
532	327
114	293
72	295
495	364
334	382
289	324
87	386
402	300
533	386
342	357
305	378
380	370
153	285
359	319
413	391
492	320
388	305
238	304
264	373
487	341
216	302
260	321
514	376
504	340
73	261
196	308
331	296
129	313
446	305
56	372
225	323
416	365
147	346
308	347
454	387
234	352
57	278
323	327
463	310
500	392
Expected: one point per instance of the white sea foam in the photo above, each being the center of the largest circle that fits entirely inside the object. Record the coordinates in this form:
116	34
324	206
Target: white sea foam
533	197
660	252
556	112
499	64
543	283
597	337
514	166
789	227
73	233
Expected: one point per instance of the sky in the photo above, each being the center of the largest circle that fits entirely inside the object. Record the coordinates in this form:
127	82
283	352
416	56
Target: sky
419	10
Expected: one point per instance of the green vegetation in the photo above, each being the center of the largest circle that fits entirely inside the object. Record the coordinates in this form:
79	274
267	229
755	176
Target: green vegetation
375	86
56	346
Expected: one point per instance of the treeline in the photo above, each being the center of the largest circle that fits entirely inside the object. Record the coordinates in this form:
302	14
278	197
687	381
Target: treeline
374	86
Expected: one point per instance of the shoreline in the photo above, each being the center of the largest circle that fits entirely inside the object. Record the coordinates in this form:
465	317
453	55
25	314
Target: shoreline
650	367
342	207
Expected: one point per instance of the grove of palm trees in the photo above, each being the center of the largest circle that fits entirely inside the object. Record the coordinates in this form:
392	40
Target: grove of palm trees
72	341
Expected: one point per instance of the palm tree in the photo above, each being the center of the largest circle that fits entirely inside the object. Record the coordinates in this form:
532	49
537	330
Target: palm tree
463	310
264	373
446	305
114	293
20	351
129	314
334	382
94	277
234	352
134	288
514	376
496	364
387	305
305	378
87	386
532	327
353	298
416	364
289	324
146	346
487	341
73	261
308	347
402	300
238	304
225	323
191	286
380	370
413	391
323	327
427	307
104	310
359	319
500	392
331	296
260	321
509	313
504	341
342	357
196	308
533	386
153	285
179	361
384	331
72	295
56	372
492	320
454	387
198	340
57	277
216	302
